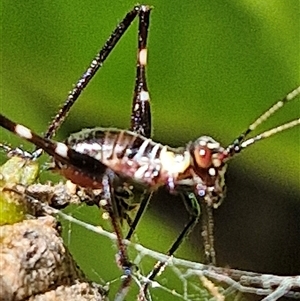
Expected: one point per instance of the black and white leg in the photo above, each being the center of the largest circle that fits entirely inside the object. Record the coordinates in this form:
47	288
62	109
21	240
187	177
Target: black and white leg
142	11
141	111
141	108
81	164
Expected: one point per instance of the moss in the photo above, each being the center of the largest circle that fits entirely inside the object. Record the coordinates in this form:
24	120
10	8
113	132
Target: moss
15	171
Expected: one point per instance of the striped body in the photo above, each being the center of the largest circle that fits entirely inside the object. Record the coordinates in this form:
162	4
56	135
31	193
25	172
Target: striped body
138	160
131	156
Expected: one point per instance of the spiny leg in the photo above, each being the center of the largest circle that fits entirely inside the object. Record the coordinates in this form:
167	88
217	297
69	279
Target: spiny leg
108	202
141	110
207	225
193	207
97	62
140	10
59	151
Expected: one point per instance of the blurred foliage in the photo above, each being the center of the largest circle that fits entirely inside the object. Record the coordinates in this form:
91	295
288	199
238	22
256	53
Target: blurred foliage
12	172
214	66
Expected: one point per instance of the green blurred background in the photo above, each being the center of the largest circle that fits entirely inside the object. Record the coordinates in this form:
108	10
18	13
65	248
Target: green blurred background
214	66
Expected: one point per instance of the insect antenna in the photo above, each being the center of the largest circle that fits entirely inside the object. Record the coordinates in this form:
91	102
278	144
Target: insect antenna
241	143
270	133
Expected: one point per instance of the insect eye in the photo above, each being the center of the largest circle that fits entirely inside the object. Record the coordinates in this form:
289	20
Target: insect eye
202	156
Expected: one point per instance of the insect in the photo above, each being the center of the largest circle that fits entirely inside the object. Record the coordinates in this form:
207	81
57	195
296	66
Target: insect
111	159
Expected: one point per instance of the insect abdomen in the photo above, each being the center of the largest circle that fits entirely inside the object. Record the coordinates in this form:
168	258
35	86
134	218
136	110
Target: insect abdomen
126	153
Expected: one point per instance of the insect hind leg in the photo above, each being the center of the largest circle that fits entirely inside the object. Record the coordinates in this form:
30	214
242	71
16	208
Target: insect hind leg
141	108
141	111
142	11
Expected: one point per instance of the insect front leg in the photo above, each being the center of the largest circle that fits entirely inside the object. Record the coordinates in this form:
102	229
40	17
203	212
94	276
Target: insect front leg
207	224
